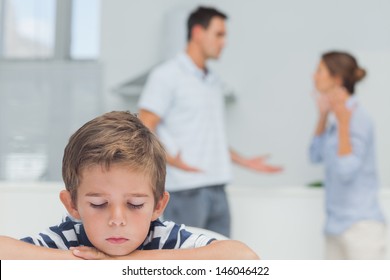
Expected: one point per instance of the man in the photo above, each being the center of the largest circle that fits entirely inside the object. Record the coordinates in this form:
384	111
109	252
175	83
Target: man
183	104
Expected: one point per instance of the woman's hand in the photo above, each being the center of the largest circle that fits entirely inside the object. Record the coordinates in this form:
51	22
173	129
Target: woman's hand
323	104
338	100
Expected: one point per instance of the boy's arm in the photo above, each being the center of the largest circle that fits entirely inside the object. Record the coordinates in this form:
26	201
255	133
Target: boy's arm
217	250
14	249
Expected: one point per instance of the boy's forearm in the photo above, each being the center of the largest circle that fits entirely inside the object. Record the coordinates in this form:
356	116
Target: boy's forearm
13	249
217	250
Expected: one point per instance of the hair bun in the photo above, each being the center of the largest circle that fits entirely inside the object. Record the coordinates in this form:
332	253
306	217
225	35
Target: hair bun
360	73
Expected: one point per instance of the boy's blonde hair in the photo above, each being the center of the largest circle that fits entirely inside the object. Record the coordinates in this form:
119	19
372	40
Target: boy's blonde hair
114	138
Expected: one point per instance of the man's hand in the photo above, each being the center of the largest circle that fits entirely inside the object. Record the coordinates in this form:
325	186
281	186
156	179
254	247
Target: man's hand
259	164
179	163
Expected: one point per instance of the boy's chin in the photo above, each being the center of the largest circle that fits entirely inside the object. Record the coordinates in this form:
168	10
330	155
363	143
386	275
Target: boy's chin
118	252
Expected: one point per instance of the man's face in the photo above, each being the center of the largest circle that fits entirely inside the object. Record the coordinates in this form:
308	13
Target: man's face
213	38
116	207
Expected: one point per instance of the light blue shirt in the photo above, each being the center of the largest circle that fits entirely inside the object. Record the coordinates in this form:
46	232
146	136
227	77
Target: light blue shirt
351	181
190	104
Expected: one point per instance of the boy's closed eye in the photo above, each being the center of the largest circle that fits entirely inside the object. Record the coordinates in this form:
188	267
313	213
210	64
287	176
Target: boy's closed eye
98	205
135	206
129	205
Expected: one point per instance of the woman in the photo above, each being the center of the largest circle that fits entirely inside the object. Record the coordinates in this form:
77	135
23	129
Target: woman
344	142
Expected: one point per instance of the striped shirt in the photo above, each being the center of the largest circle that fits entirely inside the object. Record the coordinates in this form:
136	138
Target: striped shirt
162	235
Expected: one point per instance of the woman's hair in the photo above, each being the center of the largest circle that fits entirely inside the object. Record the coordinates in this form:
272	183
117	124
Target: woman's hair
345	66
114	138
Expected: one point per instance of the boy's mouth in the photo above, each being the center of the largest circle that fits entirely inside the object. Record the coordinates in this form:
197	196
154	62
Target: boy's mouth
117	240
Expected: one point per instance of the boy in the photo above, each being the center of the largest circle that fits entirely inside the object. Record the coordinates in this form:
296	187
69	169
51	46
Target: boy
114	173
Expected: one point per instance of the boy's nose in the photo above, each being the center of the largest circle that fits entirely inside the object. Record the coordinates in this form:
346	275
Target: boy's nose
117	217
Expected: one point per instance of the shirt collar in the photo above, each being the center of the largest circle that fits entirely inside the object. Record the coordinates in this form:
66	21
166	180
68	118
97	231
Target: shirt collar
189	64
352	102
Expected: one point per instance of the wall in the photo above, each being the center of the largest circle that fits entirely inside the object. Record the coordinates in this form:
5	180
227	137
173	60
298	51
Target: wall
273	48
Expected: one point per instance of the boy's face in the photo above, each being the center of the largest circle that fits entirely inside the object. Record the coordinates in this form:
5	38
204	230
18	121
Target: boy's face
116	207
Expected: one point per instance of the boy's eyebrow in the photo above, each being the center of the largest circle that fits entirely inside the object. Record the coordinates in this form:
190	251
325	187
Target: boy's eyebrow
128	194
138	194
93	194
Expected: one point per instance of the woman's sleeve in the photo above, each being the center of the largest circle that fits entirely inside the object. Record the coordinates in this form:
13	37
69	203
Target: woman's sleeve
316	148
347	166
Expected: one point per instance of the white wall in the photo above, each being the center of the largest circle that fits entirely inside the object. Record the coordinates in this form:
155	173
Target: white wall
273	48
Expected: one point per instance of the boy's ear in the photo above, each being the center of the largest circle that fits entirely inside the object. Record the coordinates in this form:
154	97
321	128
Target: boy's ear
160	207
66	199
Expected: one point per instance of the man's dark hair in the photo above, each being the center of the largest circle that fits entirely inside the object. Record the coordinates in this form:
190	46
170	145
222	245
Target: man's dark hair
202	16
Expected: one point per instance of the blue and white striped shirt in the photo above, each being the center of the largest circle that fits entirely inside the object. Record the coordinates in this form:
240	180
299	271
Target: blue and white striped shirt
162	235
351	181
